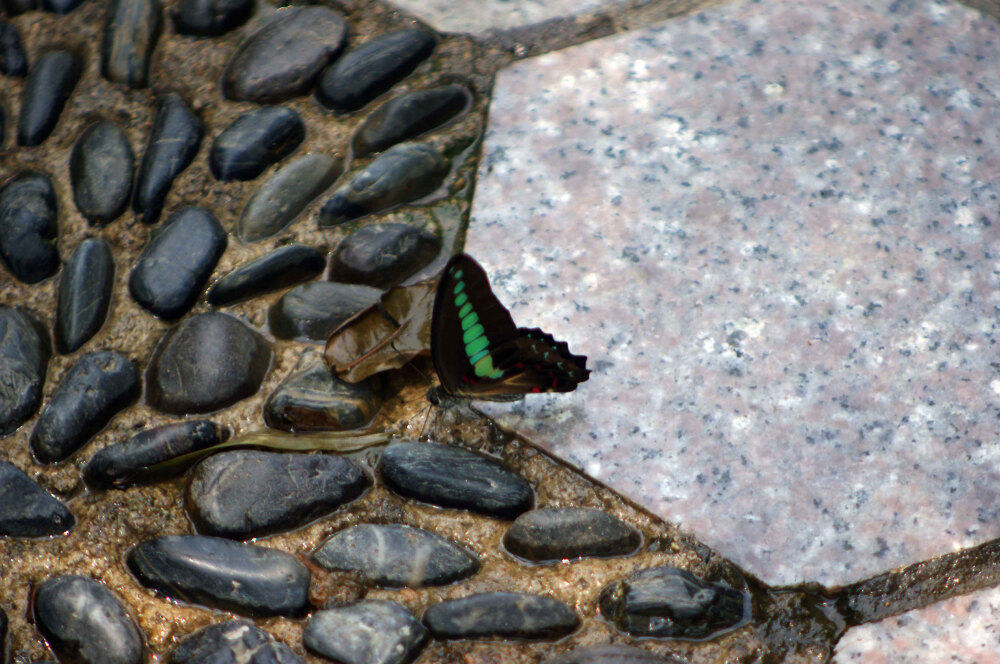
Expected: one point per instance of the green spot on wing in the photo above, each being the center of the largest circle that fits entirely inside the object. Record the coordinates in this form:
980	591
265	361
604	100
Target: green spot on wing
478	356
459	287
473	333
475	346
470	320
464	311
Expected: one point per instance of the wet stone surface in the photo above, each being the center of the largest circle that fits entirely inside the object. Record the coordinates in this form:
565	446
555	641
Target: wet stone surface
383	255
223	574
101	167
131	30
289	490
369	632
206	363
51	80
24	357
211	18
98	386
254	141
84	622
511	615
312	311
408	116
229	642
28	227
84	294
117	464
553	534
278	269
397	556
316	400
26	509
426	472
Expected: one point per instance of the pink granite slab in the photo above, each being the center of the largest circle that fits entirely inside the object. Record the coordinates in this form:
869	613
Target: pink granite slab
774	228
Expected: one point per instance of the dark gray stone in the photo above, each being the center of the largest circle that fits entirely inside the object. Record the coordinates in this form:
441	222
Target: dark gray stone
61	6
613	654
15	7
254	141
13	60
173	144
84	294
233	642
131	29
310	312
667	602
279	269
99	385
101	168
3	126
176	264
29	226
397	556
211	18
116	464
383	255
28	510
369	632
50	83
222	574
426	472
316	400
285	194
24	357
365	72
408	116
285	57
569	532
401	174
510	615
206	363
84	622
290	490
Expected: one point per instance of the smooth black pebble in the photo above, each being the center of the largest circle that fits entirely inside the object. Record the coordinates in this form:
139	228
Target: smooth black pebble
15	7
206	363
613	654
117	464
383	255
558	533
369	632
285	57
254	141
316	400
28	510
84	294
29	227
236	641
510	615
312	311
101	168
131	29
24	357
401	174
409	115
50	83
365	72
397	556
222	574
97	387
278	269
173	144
13	60
175	266
426	472
84	622
211	18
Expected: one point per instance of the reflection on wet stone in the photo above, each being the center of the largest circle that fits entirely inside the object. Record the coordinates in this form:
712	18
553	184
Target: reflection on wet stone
28	227
316	400
13	61
84	294
50	83
569	532
383	255
211	18
512	615
312	311
229	642
408	116
101	168
28	510
369	632
279	269
254	141
397	556
131	30
24	357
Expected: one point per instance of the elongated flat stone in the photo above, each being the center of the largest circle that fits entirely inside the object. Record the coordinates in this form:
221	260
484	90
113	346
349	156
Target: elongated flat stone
316	400
28	510
254	141
312	311
99	385
279	269
232	642
511	615
101	168
131	30
51	80
426	471
569	532
84	294
290	490
84	622
408	116
24	357
222	574
369	632
397	556
29	227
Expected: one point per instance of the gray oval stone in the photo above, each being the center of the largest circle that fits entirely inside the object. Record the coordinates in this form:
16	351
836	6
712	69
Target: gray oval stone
310	312
84	622
426	472
408	116
220	573
131	29
24	357
28	510
511	615
397	556
84	294
232	642
101	167
281	268
28	227
206	363
99	385
284	58
316	400
369	632
569	532
290	490
383	255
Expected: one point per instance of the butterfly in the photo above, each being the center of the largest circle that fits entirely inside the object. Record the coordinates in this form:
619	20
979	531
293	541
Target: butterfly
479	353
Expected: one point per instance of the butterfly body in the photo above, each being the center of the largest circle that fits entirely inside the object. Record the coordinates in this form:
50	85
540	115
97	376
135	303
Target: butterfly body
479	353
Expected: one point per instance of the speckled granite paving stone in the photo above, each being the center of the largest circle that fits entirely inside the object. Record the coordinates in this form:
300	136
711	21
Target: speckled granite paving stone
369	632
230	642
512	615
28	510
770	228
